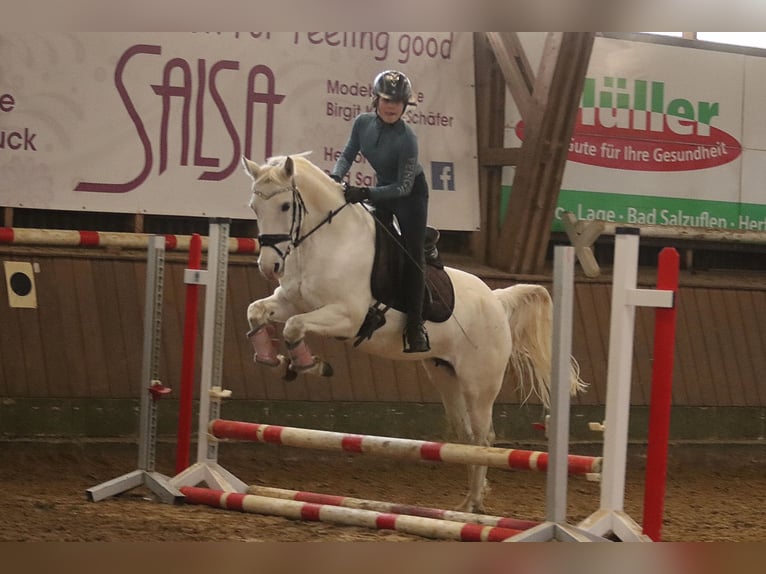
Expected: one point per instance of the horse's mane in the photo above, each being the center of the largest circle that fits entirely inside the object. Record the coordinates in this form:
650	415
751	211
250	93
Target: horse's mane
303	168
280	159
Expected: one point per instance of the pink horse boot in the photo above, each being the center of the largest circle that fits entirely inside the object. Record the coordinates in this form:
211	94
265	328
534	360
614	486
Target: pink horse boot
263	341
303	362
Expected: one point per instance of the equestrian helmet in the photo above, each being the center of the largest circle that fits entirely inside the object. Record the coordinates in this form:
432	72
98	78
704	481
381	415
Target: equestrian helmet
392	85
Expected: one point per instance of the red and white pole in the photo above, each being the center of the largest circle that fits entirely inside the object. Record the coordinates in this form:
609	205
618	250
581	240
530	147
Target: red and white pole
417	525
401	448
188	359
392	507
111	239
661	397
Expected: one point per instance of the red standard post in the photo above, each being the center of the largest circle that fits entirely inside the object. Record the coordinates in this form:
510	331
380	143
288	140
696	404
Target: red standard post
188	359
661	397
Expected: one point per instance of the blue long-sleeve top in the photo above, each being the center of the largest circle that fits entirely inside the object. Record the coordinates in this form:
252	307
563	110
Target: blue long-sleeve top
391	149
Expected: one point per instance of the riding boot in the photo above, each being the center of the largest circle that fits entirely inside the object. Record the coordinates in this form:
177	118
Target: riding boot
416	337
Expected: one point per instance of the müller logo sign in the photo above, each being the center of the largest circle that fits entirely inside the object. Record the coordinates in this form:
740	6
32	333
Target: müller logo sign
636	128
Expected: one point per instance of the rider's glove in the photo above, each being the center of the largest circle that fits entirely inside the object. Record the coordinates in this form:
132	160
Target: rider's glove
356	194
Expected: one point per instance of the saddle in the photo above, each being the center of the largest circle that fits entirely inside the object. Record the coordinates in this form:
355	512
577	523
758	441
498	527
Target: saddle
387	276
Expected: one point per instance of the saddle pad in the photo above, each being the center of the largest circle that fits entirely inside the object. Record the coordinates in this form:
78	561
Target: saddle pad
386	279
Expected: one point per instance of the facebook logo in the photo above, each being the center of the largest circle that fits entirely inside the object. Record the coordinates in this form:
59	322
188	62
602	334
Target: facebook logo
443	175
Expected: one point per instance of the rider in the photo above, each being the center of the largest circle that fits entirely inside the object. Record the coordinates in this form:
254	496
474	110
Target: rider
391	148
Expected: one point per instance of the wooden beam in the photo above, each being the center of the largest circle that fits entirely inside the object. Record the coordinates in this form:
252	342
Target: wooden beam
499	156
490	122
517	72
568	82
566	86
525	232
516	229
138	223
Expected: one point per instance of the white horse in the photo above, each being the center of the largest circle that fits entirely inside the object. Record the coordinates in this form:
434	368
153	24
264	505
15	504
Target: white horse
321	249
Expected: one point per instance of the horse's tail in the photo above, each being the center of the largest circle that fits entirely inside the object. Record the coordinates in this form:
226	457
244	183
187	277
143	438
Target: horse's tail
529	309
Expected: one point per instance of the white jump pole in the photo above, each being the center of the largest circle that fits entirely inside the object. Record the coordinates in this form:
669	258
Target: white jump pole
611	518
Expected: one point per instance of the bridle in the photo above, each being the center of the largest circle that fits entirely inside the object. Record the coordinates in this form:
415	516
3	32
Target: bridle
294	236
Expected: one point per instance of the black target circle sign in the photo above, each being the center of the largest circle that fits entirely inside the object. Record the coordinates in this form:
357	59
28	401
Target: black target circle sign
21	284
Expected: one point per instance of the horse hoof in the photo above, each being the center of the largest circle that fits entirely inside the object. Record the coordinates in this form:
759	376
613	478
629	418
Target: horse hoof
471	506
318	368
290	375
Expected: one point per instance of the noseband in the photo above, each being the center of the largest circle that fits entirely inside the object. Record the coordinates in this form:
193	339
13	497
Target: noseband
294	236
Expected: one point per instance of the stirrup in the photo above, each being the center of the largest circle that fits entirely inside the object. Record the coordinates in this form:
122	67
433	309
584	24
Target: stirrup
374	320
422	343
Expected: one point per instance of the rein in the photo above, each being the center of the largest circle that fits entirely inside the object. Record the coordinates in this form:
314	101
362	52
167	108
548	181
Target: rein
327	219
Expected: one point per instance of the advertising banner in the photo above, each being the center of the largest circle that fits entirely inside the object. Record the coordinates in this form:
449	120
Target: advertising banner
156	123
665	135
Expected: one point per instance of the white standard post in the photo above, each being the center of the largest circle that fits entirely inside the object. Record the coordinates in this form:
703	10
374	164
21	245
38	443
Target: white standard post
212	337
621	330
151	390
555	526
150	367
611	518
558	439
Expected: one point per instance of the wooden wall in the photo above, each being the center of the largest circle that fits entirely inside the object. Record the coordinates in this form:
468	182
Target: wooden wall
85	339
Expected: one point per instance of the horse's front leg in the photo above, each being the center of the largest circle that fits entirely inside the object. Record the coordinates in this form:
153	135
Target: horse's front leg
327	321
261	316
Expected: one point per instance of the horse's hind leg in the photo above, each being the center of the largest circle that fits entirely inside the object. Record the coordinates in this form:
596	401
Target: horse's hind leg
470	419
479	415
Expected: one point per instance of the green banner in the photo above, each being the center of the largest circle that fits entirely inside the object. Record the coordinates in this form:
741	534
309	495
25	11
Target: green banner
641	210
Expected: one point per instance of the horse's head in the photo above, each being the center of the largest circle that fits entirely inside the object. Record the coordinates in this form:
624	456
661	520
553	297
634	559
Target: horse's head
285	192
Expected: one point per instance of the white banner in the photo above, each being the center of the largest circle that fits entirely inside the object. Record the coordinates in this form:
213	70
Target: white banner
155	123
668	135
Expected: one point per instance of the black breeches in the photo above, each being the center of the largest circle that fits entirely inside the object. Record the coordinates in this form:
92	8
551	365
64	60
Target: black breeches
411	212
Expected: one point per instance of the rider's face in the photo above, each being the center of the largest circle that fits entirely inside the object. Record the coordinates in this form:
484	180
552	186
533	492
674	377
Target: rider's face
389	110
